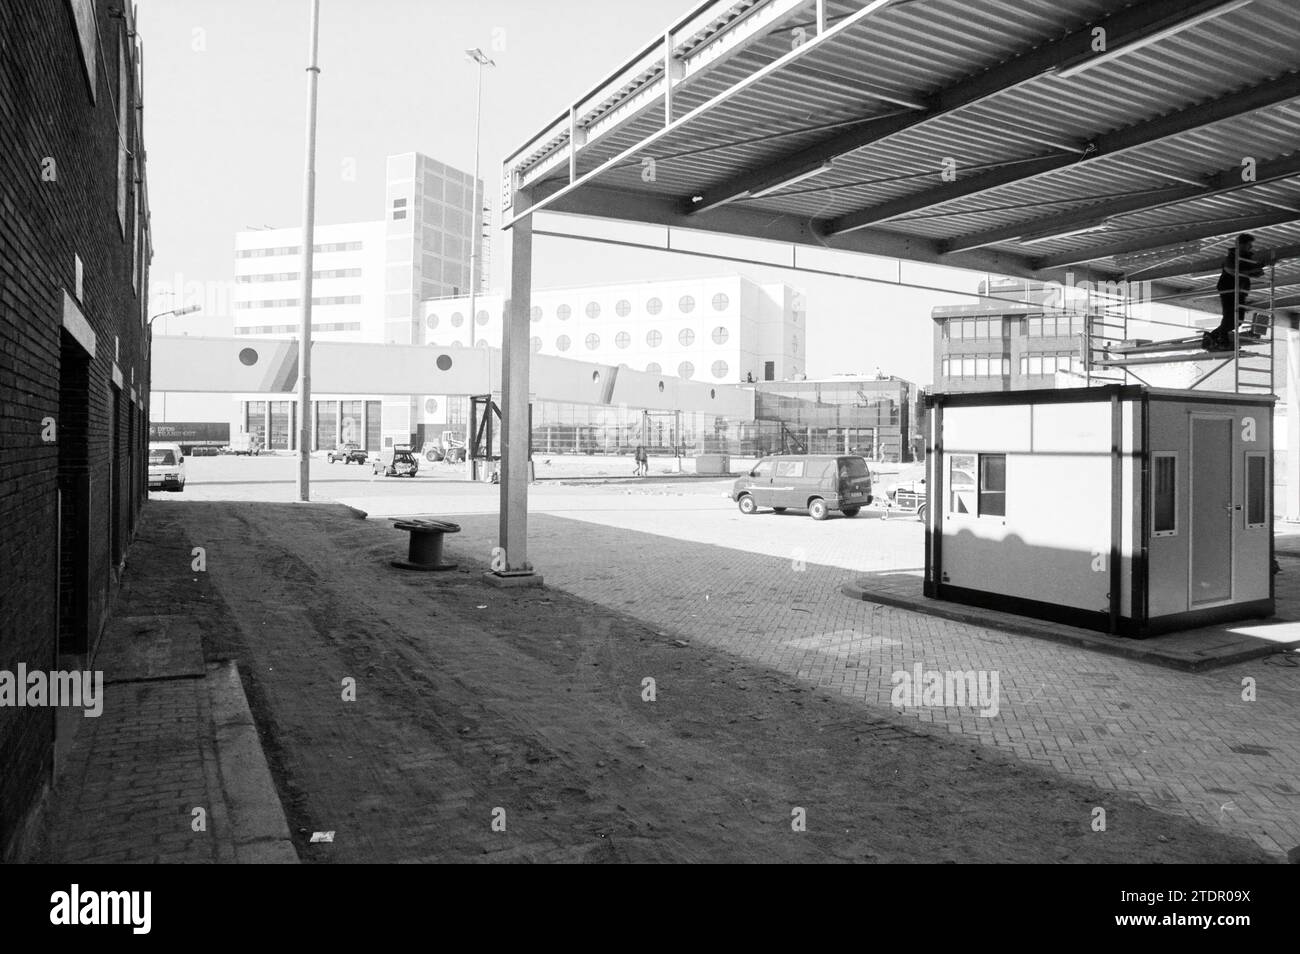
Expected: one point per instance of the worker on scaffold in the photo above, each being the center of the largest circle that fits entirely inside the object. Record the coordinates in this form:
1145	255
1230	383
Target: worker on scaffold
1239	267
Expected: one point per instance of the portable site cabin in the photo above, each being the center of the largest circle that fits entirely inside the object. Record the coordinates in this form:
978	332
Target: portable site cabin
1120	508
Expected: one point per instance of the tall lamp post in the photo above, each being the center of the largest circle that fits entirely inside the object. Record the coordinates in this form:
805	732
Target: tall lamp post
174	313
308	238
482	59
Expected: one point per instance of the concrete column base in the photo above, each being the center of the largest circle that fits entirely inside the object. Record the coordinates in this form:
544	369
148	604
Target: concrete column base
506	581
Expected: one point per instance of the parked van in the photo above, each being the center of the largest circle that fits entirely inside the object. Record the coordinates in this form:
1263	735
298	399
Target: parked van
166	466
818	483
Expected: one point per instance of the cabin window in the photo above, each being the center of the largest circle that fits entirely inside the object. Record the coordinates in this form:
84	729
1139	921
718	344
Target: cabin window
1256	490
1164	495
993	485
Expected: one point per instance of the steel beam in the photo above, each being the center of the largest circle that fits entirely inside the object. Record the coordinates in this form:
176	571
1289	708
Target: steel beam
1168	236
1207	264
1108	146
1132	23
1055	226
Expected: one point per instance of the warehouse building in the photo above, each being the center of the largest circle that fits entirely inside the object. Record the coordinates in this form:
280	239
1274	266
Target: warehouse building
74	359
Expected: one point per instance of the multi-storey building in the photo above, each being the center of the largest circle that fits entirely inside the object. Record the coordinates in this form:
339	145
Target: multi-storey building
369	279
1022	341
74	356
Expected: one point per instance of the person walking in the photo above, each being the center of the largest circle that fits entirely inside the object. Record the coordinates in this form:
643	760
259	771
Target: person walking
1239	267
642	461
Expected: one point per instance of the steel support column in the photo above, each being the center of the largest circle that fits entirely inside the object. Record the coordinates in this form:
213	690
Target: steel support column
516	353
1291	506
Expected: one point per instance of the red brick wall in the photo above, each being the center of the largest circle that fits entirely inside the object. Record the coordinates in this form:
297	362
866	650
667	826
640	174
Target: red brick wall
47	113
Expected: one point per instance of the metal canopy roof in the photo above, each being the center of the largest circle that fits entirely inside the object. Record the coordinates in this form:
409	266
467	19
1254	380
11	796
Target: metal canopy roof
1022	137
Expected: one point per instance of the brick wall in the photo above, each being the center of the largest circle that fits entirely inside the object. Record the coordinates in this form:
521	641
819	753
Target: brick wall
59	174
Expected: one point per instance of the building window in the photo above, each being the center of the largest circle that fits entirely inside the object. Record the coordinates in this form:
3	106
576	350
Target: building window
535	313
622	339
482	317
961	484
719	369
399	214
993	485
1256	490
720	335
686	337
686	370
1164	495
686	304
123	119
593	342
653	368
593	309
720	302
623	308
431	321
537	345
562	343
457	319
563	312
653	338
83	11
654	306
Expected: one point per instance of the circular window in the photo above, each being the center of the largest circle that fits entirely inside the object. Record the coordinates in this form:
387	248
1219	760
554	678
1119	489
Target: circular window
653	338
431	321
719	369
595	377
653	368
444	362
654	306
457	344
593	310
686	337
457	319
713	393
720	335
563	312
482	343
686	370
623	308
431	406
536	313
622	339
562	343
248	357
593	342
537	345
481	318
686	304
720	302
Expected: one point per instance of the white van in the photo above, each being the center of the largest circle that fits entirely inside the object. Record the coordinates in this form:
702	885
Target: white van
166	466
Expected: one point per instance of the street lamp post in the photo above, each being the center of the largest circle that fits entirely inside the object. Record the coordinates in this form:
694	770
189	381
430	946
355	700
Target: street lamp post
308	238
482	59
174	313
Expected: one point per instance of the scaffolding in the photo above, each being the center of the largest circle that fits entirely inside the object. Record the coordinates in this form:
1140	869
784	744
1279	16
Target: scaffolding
1110	349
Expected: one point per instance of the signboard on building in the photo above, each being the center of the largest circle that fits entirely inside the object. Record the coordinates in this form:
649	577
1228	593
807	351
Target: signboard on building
191	432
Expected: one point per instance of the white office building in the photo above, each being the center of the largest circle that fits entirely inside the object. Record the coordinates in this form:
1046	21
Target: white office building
369	279
724	330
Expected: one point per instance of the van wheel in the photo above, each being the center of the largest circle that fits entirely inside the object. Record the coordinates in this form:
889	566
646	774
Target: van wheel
851	511
920	513
747	504
817	509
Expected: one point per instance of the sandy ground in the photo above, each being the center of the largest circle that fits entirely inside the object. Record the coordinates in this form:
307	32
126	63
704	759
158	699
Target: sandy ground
474	703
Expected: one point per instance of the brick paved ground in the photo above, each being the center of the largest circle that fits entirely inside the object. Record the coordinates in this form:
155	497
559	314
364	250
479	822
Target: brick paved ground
1182	743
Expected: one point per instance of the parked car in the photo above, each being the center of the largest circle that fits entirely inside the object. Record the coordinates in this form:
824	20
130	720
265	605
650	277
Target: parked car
166	466
348	453
245	443
396	461
818	483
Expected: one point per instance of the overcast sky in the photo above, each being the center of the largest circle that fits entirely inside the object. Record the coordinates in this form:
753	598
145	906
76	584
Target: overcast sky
225	97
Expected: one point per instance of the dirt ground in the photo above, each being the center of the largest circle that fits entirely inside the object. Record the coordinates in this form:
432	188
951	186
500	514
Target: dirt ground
474	703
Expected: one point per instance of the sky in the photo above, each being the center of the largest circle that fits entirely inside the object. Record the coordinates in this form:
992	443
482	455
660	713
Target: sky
225	112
